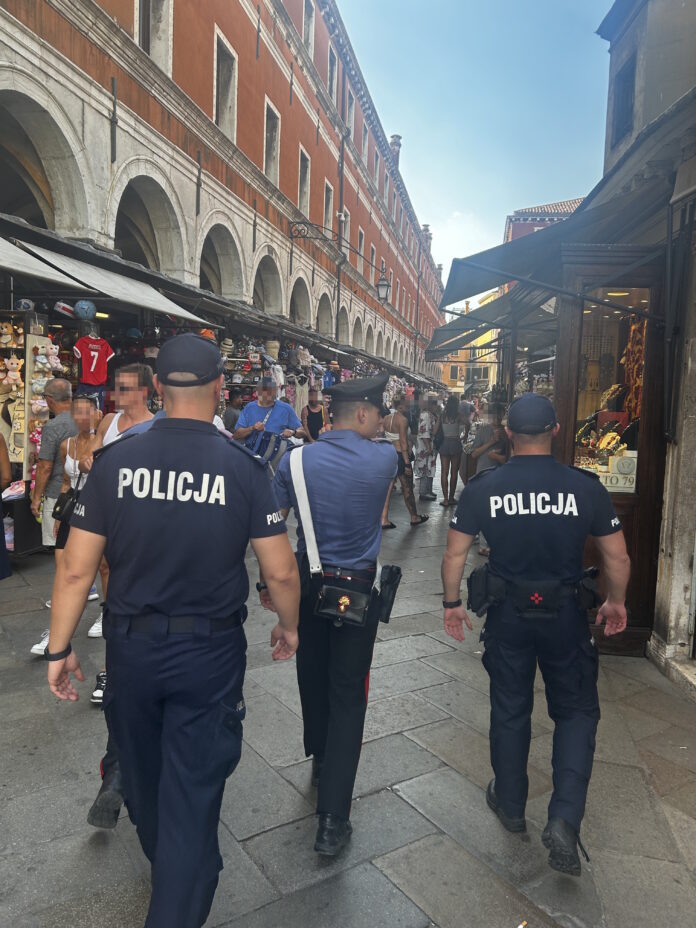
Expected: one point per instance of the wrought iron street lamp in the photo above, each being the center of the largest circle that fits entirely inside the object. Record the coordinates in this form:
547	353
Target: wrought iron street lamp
383	286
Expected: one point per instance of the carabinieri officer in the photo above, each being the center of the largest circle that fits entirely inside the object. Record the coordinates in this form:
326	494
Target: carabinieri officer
174	509
536	515
347	475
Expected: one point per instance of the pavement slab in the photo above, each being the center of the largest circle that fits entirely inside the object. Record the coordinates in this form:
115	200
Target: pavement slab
456	889
399	713
406	649
381	822
383	763
273	731
358	898
463	666
405	677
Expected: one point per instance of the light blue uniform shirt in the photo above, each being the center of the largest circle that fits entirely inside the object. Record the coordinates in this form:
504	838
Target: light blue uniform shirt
347	480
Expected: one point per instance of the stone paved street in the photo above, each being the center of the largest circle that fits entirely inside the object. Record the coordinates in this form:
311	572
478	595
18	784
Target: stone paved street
425	851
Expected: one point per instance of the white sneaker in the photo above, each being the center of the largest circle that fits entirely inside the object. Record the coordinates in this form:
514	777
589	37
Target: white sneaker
96	630
41	646
47	604
92	595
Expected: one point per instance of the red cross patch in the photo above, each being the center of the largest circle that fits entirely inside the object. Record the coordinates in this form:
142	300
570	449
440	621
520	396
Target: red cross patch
537	599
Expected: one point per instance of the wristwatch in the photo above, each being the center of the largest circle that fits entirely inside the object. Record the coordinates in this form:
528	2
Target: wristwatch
454	604
58	655
261	586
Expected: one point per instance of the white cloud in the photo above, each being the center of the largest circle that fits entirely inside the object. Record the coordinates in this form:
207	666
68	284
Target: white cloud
460	234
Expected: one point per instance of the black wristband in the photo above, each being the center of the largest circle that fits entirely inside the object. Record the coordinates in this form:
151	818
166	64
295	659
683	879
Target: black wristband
261	586
454	604
59	655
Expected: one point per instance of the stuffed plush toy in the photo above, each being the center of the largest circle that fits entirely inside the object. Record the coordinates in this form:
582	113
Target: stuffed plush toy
3	372
7	339
42	365
54	361
14	365
39	408
19	335
38	384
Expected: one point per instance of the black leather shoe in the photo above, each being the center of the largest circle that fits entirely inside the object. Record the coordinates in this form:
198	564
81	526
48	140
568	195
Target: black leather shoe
317	764
107	806
562	841
515	825
333	834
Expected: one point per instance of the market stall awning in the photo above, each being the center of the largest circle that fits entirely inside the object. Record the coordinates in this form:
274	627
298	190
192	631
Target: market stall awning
17	261
117	286
537	257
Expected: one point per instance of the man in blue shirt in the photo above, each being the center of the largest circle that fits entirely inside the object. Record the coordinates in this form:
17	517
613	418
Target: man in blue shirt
267	415
347	475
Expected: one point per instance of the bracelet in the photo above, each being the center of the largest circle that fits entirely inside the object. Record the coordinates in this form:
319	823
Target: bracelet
454	604
261	586
59	655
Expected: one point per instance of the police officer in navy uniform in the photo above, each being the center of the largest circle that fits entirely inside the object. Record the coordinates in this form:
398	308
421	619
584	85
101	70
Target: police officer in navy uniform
536	515
348	475
174	509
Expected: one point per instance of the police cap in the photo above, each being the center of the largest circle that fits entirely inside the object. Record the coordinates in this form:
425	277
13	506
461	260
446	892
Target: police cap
361	390
189	354
531	414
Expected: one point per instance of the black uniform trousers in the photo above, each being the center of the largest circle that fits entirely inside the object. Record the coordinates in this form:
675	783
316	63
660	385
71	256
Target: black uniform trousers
333	666
567	658
174	705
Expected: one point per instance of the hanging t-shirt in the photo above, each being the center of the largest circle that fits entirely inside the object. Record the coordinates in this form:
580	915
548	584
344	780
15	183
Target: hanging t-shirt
328	380
94	355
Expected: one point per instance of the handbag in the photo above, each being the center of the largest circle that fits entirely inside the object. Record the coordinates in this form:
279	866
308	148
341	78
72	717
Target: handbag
339	602
439	436
66	501
253	441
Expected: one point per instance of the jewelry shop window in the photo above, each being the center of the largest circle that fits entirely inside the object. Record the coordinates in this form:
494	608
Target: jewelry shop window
610	392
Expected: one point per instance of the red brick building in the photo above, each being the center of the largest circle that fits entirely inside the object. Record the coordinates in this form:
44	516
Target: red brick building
270	101
525	221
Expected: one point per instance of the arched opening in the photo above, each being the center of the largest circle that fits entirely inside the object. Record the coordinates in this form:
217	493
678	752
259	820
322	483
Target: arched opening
343	326
40	178
380	345
147	228
324	316
221	264
268	293
387	349
395	352
401	355
357	340
300	304
369	340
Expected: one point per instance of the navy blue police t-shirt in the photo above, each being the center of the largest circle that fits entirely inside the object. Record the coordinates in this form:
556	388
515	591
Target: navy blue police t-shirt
178	505
536	515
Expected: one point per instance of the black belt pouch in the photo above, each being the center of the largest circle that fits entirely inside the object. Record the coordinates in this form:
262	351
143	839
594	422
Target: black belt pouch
537	600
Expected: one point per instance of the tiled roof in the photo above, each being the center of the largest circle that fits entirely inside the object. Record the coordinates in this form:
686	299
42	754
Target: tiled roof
562	208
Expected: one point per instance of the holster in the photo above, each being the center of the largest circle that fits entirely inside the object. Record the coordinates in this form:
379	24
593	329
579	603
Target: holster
388	586
484	589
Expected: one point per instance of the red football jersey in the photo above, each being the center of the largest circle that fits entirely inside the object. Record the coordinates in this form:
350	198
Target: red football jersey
94	355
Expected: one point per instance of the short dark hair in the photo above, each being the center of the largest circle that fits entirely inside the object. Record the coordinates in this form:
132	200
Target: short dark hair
143	372
235	393
88	398
345	409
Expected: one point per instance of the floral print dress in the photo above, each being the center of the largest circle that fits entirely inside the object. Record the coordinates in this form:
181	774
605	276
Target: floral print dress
425	461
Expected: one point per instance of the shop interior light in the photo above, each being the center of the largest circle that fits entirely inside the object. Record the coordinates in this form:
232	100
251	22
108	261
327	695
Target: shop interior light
102	315
645	301
618	292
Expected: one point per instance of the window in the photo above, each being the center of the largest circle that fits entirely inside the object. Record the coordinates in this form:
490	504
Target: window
394	206
271	155
303	191
373	262
398	294
308	27
332	82
403	302
391	286
376	170
225	86
624	99
350	114
155	31
361	250
328	208
365	139
401	220
409	307
454	372
346	233
386	188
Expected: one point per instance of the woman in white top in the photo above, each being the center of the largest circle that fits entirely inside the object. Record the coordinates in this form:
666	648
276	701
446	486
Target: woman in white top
85	413
396	431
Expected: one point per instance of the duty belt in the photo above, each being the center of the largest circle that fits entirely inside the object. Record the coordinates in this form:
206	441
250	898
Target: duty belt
150	622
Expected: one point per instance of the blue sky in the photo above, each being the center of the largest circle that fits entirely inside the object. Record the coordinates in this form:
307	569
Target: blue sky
501	105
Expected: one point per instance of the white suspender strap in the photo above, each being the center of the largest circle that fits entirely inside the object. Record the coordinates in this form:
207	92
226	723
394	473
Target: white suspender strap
305	513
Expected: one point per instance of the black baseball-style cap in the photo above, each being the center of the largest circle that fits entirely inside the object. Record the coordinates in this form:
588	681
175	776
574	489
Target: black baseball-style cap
361	390
189	354
531	414
267	383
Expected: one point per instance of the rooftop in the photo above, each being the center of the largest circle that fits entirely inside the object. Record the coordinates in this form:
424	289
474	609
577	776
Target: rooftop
563	208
